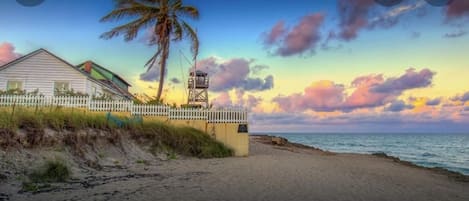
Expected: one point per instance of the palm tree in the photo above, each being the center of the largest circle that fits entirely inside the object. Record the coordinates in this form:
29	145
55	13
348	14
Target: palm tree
164	18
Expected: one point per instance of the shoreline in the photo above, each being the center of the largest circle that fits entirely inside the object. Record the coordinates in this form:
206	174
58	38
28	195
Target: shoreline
457	176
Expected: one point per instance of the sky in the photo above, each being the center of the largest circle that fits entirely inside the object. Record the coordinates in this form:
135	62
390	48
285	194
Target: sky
302	66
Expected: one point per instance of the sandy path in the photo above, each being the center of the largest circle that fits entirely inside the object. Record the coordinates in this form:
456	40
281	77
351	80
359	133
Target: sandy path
268	174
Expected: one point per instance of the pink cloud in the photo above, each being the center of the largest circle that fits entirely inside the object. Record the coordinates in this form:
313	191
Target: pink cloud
275	33
252	101
320	96
363	96
222	100
7	53
225	100
457	9
302	37
368	92
234	74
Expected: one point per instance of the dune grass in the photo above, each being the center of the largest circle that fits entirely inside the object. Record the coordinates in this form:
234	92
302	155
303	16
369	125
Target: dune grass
182	140
51	171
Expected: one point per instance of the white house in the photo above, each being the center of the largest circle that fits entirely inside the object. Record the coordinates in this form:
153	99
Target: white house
50	75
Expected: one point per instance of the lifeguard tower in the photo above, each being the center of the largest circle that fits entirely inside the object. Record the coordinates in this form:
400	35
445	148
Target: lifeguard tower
198	89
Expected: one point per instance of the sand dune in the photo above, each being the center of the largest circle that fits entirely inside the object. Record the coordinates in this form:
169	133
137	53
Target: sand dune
270	173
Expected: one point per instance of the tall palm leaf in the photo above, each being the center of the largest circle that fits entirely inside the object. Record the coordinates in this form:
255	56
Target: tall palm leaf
164	17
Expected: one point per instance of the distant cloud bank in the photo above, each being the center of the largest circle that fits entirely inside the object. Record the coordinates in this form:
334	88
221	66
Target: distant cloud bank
368	92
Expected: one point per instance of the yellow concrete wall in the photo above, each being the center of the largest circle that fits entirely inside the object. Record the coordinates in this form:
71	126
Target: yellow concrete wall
156	118
228	135
223	132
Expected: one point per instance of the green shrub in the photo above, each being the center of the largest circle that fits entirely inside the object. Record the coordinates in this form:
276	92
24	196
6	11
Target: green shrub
52	171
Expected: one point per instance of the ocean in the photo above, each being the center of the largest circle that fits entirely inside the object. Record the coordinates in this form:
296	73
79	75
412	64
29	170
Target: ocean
449	151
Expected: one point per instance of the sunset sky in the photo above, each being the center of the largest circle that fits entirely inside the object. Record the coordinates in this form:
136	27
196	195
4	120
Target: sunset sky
302	66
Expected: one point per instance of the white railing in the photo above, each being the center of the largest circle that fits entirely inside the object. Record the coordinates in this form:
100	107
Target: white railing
41	101
188	114
228	116
210	115
110	105
149	110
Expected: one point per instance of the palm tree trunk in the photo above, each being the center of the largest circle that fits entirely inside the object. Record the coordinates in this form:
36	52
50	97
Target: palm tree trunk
164	58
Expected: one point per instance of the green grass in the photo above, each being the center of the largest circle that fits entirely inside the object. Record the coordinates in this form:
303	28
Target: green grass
56	118
175	140
182	140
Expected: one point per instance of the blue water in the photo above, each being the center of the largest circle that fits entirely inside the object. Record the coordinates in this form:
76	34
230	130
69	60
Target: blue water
450	151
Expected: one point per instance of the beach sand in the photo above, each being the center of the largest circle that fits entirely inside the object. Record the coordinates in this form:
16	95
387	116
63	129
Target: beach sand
270	173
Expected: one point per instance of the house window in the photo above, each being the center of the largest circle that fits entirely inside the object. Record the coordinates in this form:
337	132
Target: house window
60	87
14	85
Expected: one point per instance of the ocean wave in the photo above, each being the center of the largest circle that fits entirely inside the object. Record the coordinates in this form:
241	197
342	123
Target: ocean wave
426	154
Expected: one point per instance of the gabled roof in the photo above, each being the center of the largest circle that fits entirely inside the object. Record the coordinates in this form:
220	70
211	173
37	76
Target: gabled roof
5	66
105	69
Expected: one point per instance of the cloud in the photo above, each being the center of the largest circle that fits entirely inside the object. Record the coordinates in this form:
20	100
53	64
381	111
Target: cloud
225	100
353	17
457	9
234	74
356	15
462	98
7	53
275	33
398	106
258	68
368	92
364	97
322	96
391	18
303	37
152	74
433	102
222	100
458	34
175	80
252	101
411	79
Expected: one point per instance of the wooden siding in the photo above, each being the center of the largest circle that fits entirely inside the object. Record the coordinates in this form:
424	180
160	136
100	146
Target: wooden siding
40	71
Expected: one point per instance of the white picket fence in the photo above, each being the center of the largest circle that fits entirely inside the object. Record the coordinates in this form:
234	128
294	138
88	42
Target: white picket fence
232	115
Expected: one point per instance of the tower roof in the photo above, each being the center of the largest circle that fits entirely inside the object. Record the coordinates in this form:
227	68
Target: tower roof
198	73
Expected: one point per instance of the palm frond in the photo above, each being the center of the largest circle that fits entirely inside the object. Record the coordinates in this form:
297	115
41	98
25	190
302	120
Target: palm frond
130	30
193	37
188	11
177	31
132	10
